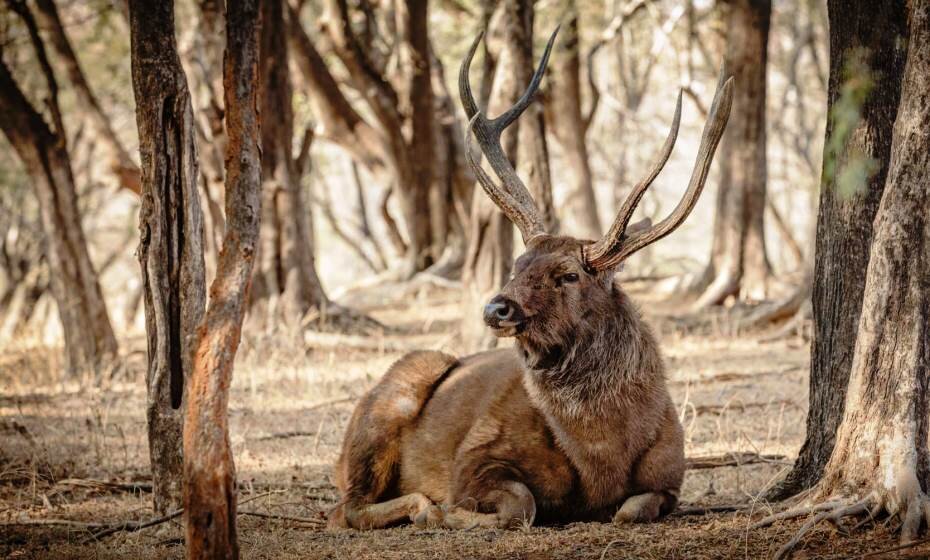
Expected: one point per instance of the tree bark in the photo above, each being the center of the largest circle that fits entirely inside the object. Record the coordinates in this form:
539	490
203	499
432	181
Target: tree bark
867	42
171	235
738	263
287	270
881	447
209	471
121	164
89	341
570	126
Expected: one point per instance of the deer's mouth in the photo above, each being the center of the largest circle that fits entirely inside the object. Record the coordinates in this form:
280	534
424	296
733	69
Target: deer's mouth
506	329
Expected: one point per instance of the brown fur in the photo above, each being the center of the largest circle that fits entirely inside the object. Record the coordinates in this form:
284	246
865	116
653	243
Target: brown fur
573	423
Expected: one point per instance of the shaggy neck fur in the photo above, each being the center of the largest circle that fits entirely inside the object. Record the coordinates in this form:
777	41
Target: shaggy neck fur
609	378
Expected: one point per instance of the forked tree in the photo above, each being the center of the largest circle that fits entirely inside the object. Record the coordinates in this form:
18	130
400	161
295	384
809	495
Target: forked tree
171	235
209	471
90	344
878	463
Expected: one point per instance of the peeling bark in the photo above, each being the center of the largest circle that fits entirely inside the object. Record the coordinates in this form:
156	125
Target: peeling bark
171	236
209	471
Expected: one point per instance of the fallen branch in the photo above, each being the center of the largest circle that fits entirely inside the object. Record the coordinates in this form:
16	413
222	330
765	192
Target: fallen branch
106	485
721	408
705	510
130	526
733	460
310	520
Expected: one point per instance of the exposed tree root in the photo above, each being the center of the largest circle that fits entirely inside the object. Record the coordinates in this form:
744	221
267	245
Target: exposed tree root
913	510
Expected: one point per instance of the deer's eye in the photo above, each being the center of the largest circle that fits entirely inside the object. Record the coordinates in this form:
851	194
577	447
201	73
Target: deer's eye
568	278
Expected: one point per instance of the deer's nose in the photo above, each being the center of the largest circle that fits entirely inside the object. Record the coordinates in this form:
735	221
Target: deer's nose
502	312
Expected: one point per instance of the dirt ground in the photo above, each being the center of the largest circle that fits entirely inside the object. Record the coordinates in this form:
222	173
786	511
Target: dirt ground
76	451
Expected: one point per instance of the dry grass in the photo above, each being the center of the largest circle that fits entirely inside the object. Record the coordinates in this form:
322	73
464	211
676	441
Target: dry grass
288	411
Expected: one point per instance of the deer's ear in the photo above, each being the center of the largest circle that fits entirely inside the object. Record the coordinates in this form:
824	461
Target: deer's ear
639	226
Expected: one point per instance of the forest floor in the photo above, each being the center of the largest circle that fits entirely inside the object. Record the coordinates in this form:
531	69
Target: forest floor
76	451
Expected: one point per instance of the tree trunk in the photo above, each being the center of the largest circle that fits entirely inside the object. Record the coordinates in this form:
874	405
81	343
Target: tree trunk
416	100
209	471
124	169
532	148
569	125
288	270
866	42
171	235
738	263
881	446
89	341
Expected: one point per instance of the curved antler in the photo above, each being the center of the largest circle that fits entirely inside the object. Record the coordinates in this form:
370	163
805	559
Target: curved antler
511	196
616	245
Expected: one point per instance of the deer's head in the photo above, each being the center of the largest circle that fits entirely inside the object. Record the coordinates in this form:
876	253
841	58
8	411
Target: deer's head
561	283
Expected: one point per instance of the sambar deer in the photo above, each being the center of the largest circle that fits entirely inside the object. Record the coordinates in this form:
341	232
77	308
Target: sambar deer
573	423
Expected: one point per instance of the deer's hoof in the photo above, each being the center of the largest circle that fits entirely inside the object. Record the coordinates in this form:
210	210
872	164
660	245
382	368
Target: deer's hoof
430	518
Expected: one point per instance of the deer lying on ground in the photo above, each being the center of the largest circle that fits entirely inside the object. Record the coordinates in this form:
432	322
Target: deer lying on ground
573	423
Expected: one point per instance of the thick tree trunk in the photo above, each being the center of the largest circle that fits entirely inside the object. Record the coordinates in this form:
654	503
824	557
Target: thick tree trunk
209	471
866	42
881	448
171	235
569	125
89	340
121	164
288	270
738	263
489	256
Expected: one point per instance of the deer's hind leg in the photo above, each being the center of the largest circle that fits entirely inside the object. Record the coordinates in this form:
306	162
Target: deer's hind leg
489	501
369	464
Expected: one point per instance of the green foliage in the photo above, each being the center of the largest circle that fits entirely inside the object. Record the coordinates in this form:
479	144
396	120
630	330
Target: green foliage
848	167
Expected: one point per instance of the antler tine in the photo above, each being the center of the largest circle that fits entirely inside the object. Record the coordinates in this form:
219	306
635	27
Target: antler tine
512	197
611	242
713	131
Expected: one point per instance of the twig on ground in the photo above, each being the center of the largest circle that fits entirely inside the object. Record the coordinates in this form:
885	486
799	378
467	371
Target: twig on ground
130	526
733	460
834	515
106	484
705	510
720	409
263	515
793	513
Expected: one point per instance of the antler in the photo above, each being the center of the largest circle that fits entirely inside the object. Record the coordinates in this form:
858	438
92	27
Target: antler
511	197
618	244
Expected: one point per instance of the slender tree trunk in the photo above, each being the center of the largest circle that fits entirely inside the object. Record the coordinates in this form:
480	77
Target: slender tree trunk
866	65
171	235
532	147
209	471
288	268
738	262
89	340
881	446
489	256
569	125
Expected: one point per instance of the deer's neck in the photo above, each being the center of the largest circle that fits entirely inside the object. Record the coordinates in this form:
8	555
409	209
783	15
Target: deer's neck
601	395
